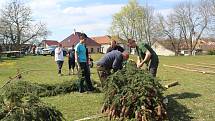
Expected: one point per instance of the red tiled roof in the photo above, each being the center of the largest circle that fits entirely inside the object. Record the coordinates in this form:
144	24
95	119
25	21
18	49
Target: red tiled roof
50	42
102	39
73	39
107	39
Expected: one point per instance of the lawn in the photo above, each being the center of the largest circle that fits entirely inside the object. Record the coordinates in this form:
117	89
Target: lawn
193	99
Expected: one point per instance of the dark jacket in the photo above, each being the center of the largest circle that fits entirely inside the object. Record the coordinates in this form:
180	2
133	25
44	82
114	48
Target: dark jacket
112	60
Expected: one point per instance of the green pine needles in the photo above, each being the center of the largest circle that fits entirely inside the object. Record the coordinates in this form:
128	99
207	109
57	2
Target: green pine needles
19	100
133	93
16	105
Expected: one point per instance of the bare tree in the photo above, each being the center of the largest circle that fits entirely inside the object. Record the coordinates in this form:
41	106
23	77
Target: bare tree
17	25
149	27
192	21
172	32
211	7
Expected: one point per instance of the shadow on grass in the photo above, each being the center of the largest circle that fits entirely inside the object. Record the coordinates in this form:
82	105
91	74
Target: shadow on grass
177	111
184	95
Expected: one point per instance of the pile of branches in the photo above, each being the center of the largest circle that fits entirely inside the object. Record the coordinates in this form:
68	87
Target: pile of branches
15	106
134	94
44	90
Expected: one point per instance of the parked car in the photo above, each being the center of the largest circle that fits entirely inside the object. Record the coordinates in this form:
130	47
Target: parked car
51	51
39	50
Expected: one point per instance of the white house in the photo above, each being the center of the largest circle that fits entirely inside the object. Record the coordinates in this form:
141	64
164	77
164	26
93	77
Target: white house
161	50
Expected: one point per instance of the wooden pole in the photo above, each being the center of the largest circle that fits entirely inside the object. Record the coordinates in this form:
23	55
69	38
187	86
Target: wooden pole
172	84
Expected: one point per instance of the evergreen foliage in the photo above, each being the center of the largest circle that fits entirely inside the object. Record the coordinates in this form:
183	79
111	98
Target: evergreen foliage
19	100
133	93
16	106
43	90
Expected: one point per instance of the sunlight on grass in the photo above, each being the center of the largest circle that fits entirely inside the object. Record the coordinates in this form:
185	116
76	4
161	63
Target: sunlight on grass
193	99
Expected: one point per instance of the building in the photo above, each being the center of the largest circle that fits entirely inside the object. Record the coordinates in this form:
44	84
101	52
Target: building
47	43
166	49
104	41
206	45
162	50
73	39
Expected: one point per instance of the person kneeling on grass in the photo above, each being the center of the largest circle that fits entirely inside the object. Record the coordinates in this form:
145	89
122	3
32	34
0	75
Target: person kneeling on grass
110	61
59	58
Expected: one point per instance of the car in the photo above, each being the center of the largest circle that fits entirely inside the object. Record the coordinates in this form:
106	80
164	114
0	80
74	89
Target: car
51	51
39	50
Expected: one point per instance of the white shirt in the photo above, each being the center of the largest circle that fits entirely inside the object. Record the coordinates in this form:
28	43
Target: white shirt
59	54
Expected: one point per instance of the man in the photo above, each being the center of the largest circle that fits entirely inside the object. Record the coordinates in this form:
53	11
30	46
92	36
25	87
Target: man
59	58
114	46
145	55
81	59
71	59
33	49
112	60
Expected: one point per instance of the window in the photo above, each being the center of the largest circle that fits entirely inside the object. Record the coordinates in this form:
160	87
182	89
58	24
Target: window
98	50
91	50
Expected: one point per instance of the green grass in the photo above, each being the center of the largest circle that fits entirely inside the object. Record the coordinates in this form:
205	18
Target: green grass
193	99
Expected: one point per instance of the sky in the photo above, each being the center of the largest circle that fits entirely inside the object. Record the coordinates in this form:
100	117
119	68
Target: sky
92	17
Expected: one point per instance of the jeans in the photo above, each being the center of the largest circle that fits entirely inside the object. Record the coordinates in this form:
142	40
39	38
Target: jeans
84	75
59	64
153	67
71	63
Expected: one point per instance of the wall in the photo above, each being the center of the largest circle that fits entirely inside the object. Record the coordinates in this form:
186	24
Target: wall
161	50
104	48
96	49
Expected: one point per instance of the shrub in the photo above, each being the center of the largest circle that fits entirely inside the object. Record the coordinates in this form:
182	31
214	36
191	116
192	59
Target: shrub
211	52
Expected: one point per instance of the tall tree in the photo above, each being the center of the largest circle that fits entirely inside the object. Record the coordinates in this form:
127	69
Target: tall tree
135	22
17	25
123	23
148	27
192	21
171	32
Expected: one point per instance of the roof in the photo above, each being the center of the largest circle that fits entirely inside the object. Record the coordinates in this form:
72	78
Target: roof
206	45
73	39
50	42
102	39
107	39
